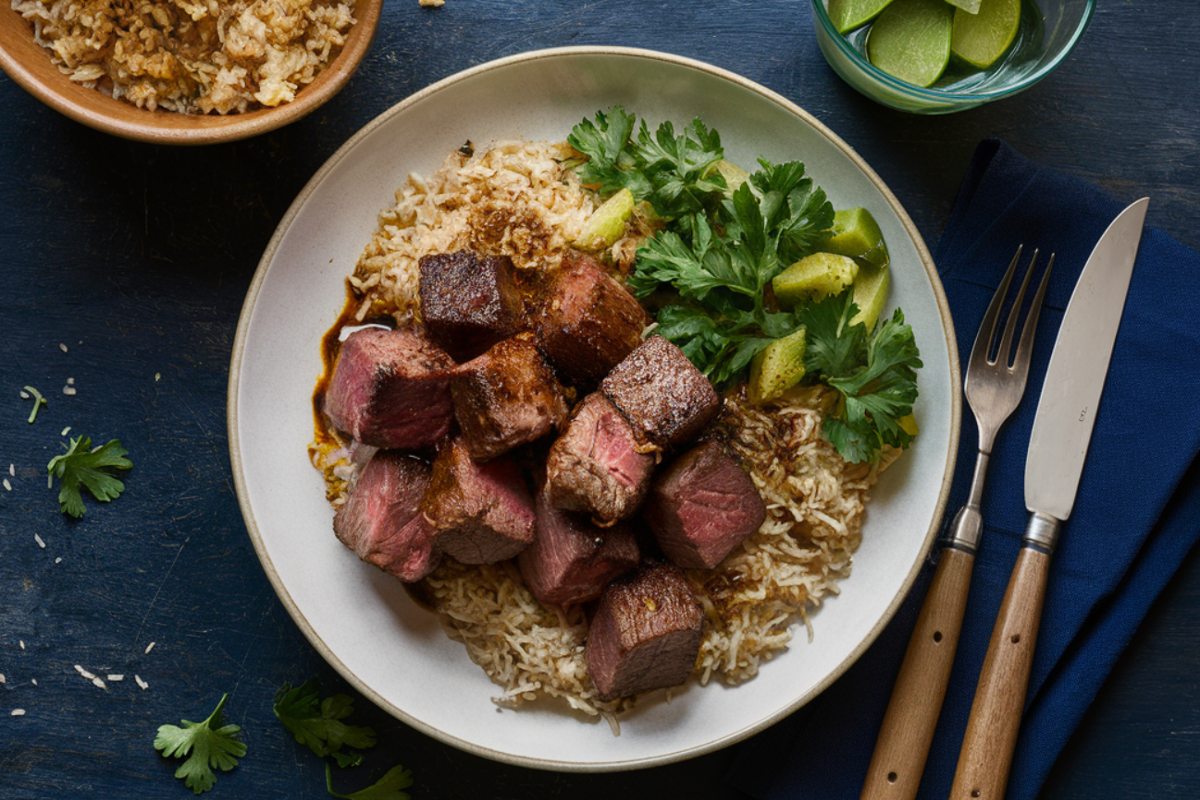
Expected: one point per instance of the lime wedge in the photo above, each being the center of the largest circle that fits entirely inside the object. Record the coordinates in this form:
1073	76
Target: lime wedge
846	15
969	6
980	39
911	40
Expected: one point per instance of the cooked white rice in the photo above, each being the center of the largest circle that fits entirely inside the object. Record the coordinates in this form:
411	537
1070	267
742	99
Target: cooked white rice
514	199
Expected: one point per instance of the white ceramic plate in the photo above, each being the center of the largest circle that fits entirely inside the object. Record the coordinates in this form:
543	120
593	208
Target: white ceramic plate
360	619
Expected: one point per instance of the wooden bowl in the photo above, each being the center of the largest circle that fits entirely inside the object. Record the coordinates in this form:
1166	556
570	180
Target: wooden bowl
30	66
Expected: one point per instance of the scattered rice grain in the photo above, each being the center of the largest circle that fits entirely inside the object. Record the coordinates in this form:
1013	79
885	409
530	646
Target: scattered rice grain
150	647
7	485
62	347
68	390
18	712
38	539
84	672
115	678
141	682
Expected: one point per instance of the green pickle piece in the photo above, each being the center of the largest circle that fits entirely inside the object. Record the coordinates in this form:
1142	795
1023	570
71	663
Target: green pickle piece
814	277
911	40
607	223
777	367
870	295
855	233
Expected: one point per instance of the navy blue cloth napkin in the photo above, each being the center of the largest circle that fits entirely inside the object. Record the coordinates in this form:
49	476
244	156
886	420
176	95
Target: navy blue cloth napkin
1136	515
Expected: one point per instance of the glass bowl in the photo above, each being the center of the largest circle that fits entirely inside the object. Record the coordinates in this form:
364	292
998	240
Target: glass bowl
1049	31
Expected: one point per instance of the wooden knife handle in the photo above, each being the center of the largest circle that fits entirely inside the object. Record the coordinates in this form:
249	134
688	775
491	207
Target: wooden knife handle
912	713
987	750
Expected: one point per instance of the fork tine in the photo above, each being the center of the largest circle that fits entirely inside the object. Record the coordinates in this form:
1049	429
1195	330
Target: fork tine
1011	324
982	349
1022	359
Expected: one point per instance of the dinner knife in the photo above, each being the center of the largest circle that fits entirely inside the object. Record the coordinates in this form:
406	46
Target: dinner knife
1058	444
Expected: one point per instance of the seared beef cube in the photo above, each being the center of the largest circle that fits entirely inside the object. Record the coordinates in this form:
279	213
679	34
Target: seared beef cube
482	512
381	520
468	301
645	634
702	506
589	322
666	399
391	389
506	397
572	559
595	467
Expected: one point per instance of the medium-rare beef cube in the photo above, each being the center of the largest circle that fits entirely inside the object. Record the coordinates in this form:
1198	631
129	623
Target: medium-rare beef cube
666	400
381	519
702	506
589	322
595	467
645	634
391	389
482	512
572	559
506	397
468	301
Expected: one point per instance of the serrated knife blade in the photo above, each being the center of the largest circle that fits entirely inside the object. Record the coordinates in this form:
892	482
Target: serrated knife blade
1062	430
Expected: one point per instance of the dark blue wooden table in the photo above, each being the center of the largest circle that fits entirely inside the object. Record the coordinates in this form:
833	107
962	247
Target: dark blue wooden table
123	268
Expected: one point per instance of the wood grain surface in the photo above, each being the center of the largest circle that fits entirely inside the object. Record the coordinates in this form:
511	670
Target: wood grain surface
123	268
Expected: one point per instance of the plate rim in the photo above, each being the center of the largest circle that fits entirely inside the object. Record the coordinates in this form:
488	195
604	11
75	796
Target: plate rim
239	346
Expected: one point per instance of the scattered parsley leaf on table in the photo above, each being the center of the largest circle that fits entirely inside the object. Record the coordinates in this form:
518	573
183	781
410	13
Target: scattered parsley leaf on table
210	745
386	788
82	466
318	723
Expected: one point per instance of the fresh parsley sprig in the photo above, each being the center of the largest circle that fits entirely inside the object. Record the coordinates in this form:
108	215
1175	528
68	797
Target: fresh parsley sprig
84	467
706	271
206	745
720	271
874	372
673	173
386	788
318	724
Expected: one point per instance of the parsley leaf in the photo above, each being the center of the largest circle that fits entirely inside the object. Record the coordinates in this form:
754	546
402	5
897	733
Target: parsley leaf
722	270
875	373
318	723
83	466
386	788
210	744
675	174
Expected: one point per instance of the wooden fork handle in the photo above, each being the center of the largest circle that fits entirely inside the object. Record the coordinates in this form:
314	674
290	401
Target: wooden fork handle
912	713
987	750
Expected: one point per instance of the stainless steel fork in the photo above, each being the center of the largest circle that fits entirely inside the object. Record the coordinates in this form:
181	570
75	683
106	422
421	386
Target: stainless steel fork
994	386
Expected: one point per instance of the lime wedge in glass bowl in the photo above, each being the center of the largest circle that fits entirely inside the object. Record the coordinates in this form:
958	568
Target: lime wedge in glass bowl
847	15
911	40
981	39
